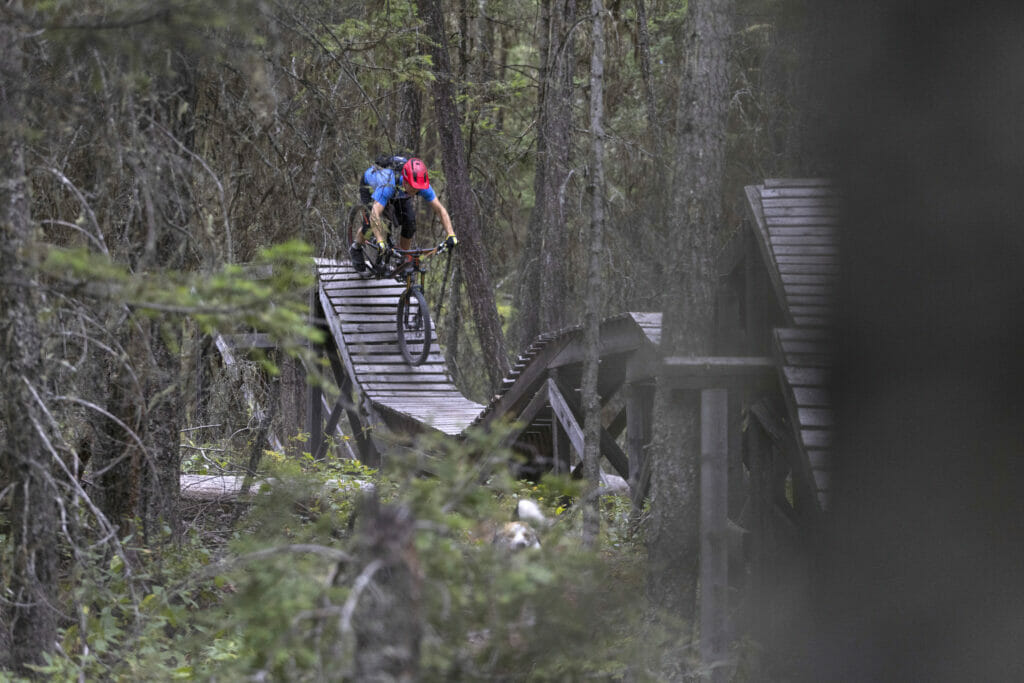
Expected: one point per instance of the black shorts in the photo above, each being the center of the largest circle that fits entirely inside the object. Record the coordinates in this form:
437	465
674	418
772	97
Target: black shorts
400	210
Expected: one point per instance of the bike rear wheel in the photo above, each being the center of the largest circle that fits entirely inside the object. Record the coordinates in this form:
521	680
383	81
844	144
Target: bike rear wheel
413	326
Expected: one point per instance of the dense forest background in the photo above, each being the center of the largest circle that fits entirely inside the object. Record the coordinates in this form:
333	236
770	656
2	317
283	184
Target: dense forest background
156	155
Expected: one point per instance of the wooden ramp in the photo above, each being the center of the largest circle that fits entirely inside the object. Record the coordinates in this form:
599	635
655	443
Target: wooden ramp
795	223
360	313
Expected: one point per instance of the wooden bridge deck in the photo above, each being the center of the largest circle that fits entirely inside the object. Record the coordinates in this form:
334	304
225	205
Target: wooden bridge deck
360	314
795	223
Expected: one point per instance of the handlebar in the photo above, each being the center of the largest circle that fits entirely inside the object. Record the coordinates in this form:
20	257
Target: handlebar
417	253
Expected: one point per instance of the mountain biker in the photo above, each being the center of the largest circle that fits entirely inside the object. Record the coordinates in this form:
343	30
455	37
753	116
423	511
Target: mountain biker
391	184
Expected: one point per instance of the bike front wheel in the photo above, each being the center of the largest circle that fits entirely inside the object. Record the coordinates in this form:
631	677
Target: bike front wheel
413	326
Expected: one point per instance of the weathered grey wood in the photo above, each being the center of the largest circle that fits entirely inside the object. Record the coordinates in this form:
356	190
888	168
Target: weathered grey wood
797	182
806	376
815	417
804	250
714	487
801	210
639	413
811	321
788	278
806	396
780	202
406	388
816	438
809	269
560	408
609	448
403	368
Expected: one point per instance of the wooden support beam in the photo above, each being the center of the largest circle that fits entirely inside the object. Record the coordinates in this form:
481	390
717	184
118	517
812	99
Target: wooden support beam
539	400
562	411
714	565
639	412
332	424
609	448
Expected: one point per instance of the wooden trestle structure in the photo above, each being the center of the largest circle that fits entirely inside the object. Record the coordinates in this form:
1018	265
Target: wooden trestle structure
767	414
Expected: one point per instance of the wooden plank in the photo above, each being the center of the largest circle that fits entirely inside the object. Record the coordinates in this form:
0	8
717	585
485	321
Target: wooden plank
410	388
406	378
821	311
356	328
803	225
401	368
805	377
372	318
805	345
815	192
808	360
816	438
808	269
392	359
811	397
801	210
349	308
348	288
824	224
822	259
802	240
809	321
820	459
808	300
789	202
822	289
788	278
798	182
368	300
803	250
356	338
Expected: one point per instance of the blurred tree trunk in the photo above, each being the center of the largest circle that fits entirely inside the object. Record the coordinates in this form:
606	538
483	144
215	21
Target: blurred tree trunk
26	452
461	203
595	292
696	201
542	287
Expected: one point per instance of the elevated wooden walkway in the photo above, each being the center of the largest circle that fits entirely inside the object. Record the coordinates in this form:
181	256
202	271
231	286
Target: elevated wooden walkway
795	225
360	313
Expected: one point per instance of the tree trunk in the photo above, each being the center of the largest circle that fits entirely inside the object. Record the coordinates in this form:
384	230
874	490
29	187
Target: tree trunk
595	294
542	287
689	305
26	453
461	203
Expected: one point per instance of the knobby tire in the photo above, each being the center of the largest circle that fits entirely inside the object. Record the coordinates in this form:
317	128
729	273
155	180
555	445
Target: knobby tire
414	326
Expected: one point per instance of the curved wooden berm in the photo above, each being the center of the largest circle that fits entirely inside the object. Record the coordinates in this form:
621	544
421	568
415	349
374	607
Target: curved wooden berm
360	313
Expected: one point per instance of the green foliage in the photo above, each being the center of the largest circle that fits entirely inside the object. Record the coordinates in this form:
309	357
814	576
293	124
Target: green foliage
268	294
273	605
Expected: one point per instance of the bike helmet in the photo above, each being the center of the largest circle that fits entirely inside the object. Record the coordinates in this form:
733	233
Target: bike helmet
414	173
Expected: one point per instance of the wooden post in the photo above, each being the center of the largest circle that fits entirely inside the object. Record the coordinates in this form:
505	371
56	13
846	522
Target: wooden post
639	406
314	398
714	566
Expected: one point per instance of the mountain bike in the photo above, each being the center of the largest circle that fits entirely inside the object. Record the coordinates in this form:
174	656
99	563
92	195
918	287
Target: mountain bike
413	318
413	323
